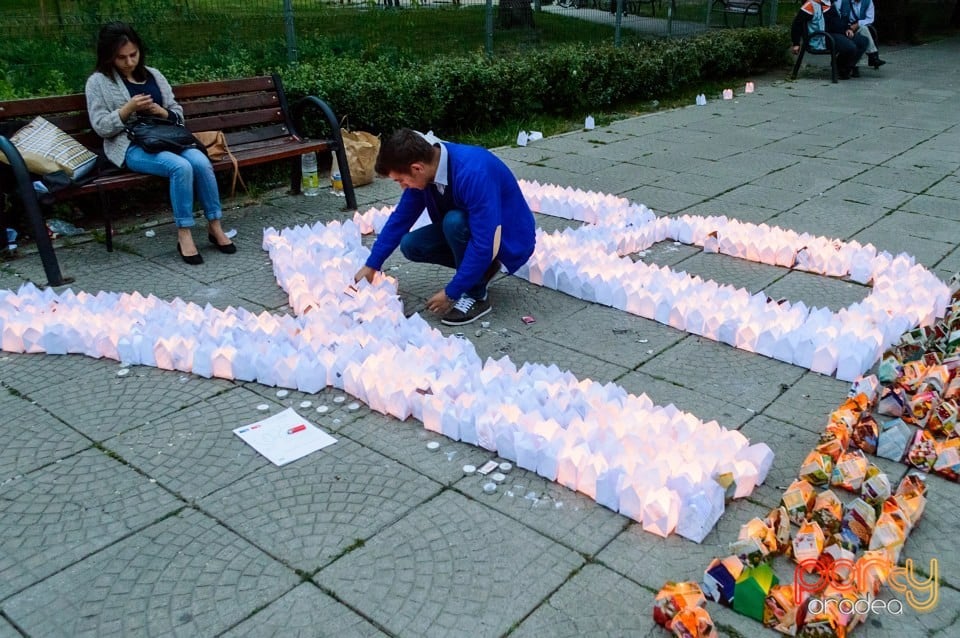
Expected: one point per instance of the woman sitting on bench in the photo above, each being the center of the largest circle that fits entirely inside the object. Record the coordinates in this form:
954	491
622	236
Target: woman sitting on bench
123	88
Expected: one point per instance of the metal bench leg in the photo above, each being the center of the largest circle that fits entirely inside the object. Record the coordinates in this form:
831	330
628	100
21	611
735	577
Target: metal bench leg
107	219
295	175
833	65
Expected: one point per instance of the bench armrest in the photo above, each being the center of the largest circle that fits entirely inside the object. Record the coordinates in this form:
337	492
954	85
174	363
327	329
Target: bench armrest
296	115
51	267
828	38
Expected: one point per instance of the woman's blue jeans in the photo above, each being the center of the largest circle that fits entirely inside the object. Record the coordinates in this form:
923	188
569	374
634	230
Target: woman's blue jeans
188	172
442	245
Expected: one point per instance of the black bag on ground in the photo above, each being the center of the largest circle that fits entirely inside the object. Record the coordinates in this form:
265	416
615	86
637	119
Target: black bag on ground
155	135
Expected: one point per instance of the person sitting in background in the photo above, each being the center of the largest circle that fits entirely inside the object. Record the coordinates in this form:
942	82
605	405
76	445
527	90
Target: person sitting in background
122	89
822	15
480	219
858	15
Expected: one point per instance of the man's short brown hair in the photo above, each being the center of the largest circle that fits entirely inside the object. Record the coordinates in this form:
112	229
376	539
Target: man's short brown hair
400	150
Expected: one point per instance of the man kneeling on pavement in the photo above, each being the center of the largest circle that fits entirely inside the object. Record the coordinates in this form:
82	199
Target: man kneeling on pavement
822	15
480	220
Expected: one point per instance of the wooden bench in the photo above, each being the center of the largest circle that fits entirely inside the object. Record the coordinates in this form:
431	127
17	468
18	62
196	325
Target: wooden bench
259	124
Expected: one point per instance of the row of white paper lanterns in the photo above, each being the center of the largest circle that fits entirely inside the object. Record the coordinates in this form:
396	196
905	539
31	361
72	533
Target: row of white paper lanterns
653	464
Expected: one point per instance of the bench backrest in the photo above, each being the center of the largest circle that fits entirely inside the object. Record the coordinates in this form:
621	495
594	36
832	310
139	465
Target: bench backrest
247	110
743	6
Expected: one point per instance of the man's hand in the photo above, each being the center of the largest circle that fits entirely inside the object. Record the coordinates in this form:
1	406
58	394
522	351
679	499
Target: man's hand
795	49
365	273
440	303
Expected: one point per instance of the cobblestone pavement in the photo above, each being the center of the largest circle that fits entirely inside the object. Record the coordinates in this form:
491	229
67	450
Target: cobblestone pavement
130	509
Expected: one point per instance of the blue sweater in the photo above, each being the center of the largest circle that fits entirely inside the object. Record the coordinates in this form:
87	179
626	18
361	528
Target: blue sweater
481	185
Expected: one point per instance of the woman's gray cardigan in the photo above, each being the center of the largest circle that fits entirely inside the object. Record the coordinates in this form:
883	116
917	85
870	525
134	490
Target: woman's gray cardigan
105	96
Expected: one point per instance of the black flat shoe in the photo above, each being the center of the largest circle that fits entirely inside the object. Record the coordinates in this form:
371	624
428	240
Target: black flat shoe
193	260
227	249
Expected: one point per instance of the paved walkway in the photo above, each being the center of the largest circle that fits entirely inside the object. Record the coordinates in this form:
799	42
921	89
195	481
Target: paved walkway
127	507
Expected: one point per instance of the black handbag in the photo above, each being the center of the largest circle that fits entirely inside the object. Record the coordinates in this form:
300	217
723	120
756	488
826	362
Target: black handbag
155	135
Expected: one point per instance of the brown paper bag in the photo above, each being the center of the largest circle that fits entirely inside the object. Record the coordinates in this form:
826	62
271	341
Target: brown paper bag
361	149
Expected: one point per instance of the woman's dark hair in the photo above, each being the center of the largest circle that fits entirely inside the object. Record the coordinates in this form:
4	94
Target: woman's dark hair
114	35
400	150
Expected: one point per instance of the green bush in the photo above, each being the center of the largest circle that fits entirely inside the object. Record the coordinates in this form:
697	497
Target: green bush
470	93
453	94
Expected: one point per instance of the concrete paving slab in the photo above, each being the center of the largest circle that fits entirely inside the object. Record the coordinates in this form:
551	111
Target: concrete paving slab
663	200
919	225
522	346
943	207
611	335
184	576
717	370
927	251
705	407
305	612
595	602
948	188
8	631
576	163
924	157
624	176
854	191
800	178
101	404
567	517
68	511
830	217
906	179
776	199
949	265
451	567
311	511
808	402
513	298
814	290
698	184
926	540
38	440
193	452
673	160
731	271
27	373
406	443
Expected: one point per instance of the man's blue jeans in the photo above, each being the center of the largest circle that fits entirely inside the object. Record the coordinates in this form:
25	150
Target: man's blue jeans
188	172
443	246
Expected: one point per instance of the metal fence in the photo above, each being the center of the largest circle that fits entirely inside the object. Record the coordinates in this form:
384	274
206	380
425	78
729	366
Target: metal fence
656	18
